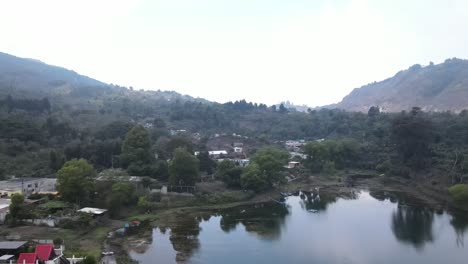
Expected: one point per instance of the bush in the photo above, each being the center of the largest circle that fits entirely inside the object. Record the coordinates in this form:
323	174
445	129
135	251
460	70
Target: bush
459	193
90	259
329	167
384	166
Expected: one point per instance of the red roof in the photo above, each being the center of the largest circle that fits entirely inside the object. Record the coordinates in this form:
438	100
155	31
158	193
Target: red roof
45	252
27	258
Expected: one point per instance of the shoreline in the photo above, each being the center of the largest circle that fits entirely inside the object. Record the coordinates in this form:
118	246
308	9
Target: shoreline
167	218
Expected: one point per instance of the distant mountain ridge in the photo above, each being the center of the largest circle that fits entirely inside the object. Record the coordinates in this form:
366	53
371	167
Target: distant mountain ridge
441	87
31	78
38	77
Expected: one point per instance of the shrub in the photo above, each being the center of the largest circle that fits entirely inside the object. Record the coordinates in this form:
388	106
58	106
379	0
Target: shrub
90	259
384	166
329	167
459	193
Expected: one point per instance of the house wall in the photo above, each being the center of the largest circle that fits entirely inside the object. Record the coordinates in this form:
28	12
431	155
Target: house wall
3	213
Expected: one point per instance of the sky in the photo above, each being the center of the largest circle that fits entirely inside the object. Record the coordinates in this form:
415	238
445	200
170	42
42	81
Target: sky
311	52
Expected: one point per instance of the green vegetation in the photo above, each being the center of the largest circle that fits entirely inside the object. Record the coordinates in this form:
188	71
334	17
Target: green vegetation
183	169
17	208
136	152
331	154
265	169
459	193
122	194
76	181
90	259
229	173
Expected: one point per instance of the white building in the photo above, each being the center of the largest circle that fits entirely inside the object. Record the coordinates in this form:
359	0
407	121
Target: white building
4	208
238	149
214	154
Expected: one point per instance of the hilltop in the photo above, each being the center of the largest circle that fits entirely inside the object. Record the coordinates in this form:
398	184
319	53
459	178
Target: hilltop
440	87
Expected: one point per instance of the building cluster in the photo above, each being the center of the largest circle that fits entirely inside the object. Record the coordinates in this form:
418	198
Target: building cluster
18	252
234	153
25	186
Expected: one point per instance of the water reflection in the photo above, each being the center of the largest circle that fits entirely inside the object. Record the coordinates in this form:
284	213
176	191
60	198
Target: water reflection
413	225
264	220
338	231
459	223
184	237
311	201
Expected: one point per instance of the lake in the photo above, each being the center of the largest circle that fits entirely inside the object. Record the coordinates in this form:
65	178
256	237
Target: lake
370	228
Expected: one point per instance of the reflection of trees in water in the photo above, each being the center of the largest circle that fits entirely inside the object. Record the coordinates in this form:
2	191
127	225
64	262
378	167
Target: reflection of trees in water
313	201
184	237
459	223
413	225
265	220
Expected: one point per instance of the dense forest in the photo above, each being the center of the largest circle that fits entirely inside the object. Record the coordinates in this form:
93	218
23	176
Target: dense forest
39	135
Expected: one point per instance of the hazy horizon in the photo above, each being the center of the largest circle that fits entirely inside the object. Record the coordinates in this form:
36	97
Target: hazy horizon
311	53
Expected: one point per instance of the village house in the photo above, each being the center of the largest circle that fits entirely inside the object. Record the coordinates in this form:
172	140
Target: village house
27	186
242	162
294	145
44	253
215	154
4	208
293	164
238	149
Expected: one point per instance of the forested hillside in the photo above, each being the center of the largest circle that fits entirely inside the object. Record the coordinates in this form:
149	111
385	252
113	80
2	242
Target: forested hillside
441	87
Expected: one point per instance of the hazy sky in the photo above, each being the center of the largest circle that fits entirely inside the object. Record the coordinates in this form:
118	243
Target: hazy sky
307	51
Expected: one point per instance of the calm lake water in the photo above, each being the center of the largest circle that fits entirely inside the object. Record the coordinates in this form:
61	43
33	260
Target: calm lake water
372	228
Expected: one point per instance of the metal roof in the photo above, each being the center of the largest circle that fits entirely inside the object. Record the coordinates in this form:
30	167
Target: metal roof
90	210
12	244
6	257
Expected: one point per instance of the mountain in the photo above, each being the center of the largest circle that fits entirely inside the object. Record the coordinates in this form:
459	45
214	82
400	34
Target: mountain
38	78
438	87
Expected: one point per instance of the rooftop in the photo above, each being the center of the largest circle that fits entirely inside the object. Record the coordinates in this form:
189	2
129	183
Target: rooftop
45	251
6	257
90	210
12	244
27	258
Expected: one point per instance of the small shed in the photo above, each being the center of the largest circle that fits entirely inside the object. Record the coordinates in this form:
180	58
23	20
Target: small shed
11	247
6	259
96	212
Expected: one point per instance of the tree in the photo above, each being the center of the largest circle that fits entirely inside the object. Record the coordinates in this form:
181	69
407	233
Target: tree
17	209
122	194
136	152
229	173
206	163
161	170
271	160
282	109
373	111
55	160
265	169
254	178
412	134
183	169
178	142
143	203
76	181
